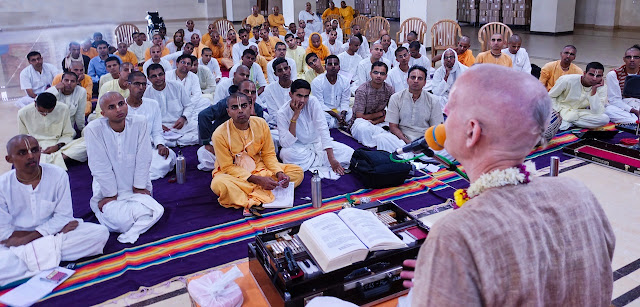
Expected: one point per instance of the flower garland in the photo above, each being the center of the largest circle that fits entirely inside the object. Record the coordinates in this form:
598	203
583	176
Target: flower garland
520	174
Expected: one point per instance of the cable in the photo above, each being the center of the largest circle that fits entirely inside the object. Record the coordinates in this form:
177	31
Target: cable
405	160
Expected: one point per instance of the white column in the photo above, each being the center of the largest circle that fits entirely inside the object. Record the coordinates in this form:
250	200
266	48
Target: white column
238	9
430	11
553	16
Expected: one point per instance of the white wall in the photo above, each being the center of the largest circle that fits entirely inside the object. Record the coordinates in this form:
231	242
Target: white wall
553	16
629	13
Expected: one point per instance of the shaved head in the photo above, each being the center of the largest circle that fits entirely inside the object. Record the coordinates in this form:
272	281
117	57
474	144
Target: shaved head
109	96
19	140
515	39
464	39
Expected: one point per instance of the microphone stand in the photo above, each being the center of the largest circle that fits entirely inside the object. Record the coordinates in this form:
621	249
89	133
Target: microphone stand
424	149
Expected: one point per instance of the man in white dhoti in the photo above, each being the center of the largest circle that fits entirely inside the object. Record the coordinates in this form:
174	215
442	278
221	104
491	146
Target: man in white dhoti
222	89
370	110
205	60
364	67
446	75
313	21
175	106
580	99
35	78
304	135
163	159
276	94
119	159
74	96
623	109
333	92
156	58
49	123
255	71
214	116
37	228
281	52
519	55
397	77
241	46
349	58
190	82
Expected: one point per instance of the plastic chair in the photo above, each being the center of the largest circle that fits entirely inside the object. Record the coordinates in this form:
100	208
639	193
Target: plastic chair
444	34
484	35
411	24
223	26
361	21
374	26
123	33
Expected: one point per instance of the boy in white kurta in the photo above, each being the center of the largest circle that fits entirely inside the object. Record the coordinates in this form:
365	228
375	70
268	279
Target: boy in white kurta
519	56
119	159
333	91
49	123
37	228
190	82
304	135
74	96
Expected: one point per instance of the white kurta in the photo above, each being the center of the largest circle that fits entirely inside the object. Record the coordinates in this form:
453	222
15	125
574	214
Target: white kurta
38	82
390	55
422	51
520	60
150	110
188	34
422	61
439	86
576	105
174	102
45	209
213	66
165	64
238	49
307	147
255	74
363	50
349	64
119	162
335	48
191	83
272	75
222	89
332	97
398	79
207	82
140	50
371	135
618	107
364	69
314	26
274	97
76	102
50	130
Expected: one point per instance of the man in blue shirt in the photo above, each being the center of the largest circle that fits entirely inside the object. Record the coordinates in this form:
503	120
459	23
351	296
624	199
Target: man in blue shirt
97	65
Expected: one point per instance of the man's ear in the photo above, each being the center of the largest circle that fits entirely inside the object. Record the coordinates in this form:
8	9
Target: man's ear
472	132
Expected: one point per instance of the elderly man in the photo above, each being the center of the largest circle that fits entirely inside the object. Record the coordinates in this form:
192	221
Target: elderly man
139	46
87	49
35	78
247	168
163	159
212	117
397	77
623	109
37	228
495	55
333	92
83	80
304	135
74	96
157	40
126	55
75	56
176	108
281	52
490	133
112	64
446	75
364	67
465	56
519	55
277	20
119	159
580	99
350	59
49	123
256	74
369	111
313	21
255	19
156	58
222	89
552	71
315	67
241	46
191	29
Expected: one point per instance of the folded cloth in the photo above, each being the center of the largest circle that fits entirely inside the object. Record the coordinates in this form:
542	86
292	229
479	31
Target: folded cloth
216	289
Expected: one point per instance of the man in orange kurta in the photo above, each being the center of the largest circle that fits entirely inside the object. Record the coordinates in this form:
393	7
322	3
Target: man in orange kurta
84	80
156	40
277	20
553	70
347	13
332	10
255	19
246	167
126	55
495	55
267	46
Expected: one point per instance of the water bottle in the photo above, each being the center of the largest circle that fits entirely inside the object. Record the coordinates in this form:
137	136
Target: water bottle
316	190
181	168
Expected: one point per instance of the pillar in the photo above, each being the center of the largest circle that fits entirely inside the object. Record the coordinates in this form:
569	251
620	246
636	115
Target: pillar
553	16
430	11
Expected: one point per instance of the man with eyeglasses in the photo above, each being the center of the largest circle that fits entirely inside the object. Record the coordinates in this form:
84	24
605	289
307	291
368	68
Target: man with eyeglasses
333	92
552	71
446	75
369	110
281	52
397	77
212	117
623	109
247	168
580	99
74	96
163	159
495	55
176	107
364	67
190	82
48	122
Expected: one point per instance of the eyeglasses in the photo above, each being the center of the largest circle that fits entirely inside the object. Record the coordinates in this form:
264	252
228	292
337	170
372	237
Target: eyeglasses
629	57
382	73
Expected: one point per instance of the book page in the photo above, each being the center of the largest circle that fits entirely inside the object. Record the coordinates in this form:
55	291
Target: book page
332	236
370	230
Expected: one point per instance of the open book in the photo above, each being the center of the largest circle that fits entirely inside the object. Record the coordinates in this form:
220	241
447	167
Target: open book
338	240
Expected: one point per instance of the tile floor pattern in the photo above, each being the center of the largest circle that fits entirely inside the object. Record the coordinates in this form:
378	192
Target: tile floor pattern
604	46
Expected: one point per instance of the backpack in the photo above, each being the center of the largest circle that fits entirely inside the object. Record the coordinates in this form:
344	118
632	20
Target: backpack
375	169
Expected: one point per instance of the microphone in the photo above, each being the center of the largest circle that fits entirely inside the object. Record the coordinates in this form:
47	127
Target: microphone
433	138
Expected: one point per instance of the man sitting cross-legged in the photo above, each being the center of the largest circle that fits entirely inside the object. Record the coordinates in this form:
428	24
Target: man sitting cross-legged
247	168
74	96
48	122
580	99
495	55
304	134
333	92
37	228
281	52
119	159
35	78
369	109
175	106
446	75
622	109
553	70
